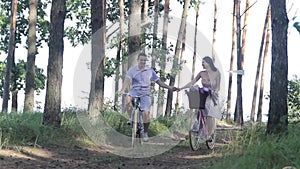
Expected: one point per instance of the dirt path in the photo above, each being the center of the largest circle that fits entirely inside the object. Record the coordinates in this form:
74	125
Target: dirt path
181	156
28	157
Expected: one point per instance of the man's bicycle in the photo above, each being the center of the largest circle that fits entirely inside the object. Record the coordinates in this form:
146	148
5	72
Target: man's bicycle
137	124
198	132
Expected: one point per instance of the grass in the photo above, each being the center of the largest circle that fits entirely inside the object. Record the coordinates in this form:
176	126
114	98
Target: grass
251	148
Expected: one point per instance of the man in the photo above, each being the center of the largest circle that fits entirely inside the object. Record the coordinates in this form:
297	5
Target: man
140	77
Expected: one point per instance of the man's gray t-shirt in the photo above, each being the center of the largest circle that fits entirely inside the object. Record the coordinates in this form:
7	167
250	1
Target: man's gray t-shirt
141	79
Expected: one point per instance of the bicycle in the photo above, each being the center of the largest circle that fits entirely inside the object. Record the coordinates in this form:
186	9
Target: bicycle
137	125
198	131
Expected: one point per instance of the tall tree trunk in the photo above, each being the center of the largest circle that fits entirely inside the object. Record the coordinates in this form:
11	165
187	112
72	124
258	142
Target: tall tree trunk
162	63
214	30
10	56
30	65
122	43
262	76
155	38
144	24
228	115
52	108
175	67
14	88
134	39
258	68
98	59
195	44
154	54
238	117
182	54
278	109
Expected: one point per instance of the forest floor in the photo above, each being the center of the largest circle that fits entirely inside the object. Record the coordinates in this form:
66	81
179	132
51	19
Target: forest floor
180	156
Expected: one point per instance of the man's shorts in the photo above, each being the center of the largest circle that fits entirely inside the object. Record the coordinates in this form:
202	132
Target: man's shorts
145	98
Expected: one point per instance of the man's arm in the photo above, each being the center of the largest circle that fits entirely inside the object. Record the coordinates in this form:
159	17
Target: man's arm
162	84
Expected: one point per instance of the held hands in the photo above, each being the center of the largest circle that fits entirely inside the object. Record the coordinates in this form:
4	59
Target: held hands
173	88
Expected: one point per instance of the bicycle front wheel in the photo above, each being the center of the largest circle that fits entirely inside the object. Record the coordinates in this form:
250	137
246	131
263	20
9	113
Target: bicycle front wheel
194	134
134	127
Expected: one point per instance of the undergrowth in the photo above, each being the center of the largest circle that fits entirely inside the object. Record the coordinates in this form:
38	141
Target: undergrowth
252	148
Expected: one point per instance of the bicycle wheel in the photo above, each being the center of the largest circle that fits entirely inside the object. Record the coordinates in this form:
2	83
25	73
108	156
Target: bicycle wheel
194	134
134	127
140	128
210	143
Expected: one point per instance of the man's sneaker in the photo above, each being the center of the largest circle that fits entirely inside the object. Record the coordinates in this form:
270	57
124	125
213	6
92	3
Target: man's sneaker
195	128
129	122
145	137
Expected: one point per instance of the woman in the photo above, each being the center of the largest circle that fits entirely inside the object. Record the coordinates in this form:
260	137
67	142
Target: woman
210	78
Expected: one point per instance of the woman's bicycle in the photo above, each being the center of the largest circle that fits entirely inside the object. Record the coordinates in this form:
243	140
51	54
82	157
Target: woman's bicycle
198	132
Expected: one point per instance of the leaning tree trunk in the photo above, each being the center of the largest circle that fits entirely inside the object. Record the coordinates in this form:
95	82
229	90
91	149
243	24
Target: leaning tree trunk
10	56
258	68
228	115
175	67
278	108
30	65
134	40
262	76
96	96
162	63
52	108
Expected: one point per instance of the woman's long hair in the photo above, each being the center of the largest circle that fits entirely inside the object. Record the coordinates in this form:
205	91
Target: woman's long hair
208	60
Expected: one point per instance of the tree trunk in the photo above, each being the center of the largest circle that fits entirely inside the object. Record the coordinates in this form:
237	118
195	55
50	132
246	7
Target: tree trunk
262	78
162	63
10	56
98	59
155	38
228	115
278	109
134	40
30	65
258	68
214	31
238	117
178	100
52	108
175	67
195	44
14	88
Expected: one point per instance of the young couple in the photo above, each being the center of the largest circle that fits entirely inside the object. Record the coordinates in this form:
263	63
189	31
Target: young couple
141	76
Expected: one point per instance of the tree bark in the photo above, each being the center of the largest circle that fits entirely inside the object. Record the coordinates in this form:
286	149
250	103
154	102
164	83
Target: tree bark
252	114
262	76
162	63
10	56
52	108
228	115
195	43
96	97
134	40
175	67
278	108
30	65
214	30
238	117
